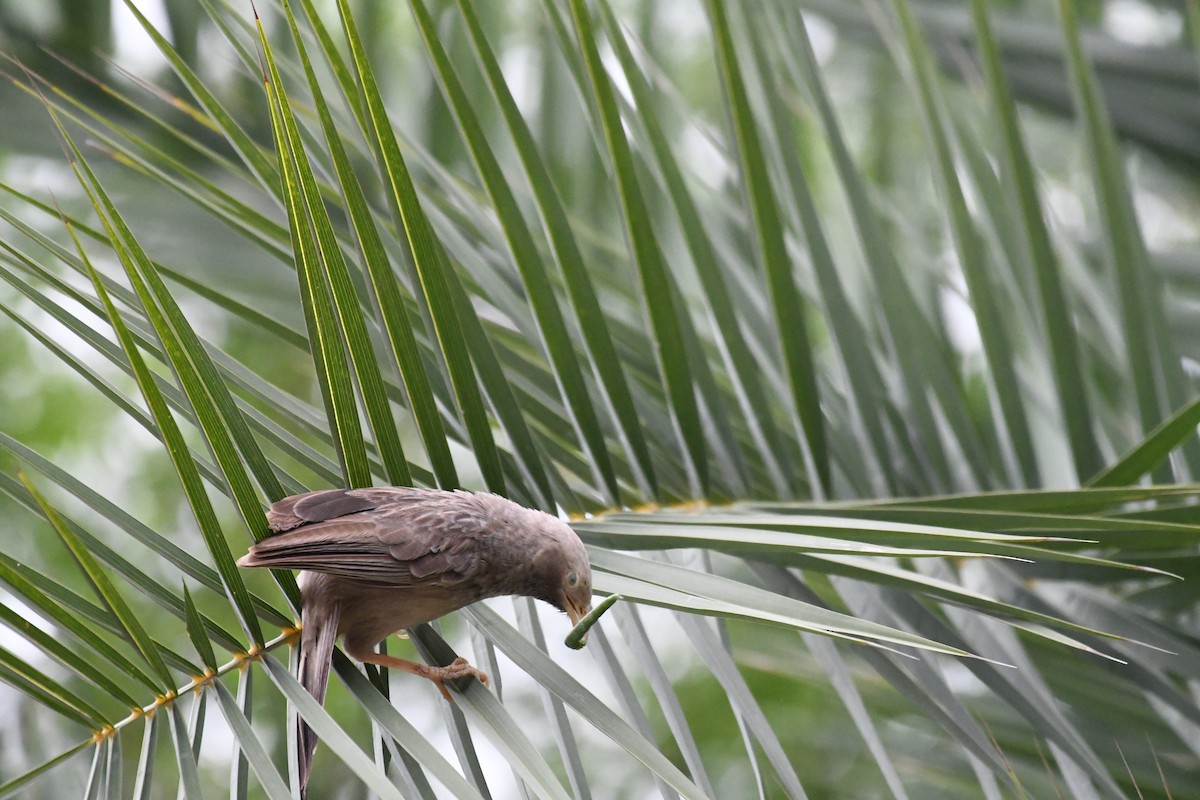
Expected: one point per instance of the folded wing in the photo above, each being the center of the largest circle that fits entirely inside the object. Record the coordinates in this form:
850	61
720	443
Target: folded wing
390	536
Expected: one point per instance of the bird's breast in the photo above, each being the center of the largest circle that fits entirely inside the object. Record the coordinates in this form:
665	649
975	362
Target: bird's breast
371	613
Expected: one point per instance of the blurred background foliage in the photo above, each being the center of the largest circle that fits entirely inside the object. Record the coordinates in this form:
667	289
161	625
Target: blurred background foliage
1144	56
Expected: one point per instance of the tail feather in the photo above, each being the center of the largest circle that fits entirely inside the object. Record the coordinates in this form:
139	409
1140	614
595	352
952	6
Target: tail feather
317	636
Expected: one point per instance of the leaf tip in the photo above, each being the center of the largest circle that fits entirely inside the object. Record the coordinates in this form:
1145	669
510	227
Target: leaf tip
577	637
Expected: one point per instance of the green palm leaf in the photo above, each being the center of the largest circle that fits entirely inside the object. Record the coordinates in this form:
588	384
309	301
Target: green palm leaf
854	555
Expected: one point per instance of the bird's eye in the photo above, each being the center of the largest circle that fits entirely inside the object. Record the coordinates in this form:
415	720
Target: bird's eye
572	579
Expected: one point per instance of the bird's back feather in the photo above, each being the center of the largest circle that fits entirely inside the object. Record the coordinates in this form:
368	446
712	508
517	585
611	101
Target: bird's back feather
398	537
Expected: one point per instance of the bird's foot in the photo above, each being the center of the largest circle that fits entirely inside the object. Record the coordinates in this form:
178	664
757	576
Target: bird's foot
459	668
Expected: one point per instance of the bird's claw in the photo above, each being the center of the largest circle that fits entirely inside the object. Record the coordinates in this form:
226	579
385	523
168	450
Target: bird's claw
459	668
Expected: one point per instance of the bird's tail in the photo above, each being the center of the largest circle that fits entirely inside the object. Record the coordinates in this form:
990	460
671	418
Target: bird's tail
319	630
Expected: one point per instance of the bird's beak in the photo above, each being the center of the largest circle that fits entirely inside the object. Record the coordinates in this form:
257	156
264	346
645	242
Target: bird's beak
575	614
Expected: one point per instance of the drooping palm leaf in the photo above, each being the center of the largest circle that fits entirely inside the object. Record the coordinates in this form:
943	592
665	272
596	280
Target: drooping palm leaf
744	393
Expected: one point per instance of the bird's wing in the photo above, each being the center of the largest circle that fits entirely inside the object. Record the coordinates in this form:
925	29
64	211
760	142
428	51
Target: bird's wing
387	536
302	509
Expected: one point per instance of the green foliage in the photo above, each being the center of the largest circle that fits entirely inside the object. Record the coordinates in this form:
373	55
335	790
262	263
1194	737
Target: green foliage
724	324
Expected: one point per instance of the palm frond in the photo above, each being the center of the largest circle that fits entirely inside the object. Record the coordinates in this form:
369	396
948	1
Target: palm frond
851	539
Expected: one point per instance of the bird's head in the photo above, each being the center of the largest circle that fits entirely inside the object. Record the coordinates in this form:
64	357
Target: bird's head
563	570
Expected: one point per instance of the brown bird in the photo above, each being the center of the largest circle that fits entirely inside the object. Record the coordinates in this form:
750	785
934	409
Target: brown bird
377	561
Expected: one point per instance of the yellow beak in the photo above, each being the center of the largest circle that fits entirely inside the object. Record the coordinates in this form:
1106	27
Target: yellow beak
575	614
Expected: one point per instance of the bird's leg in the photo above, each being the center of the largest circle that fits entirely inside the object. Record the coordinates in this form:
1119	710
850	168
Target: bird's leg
439	675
